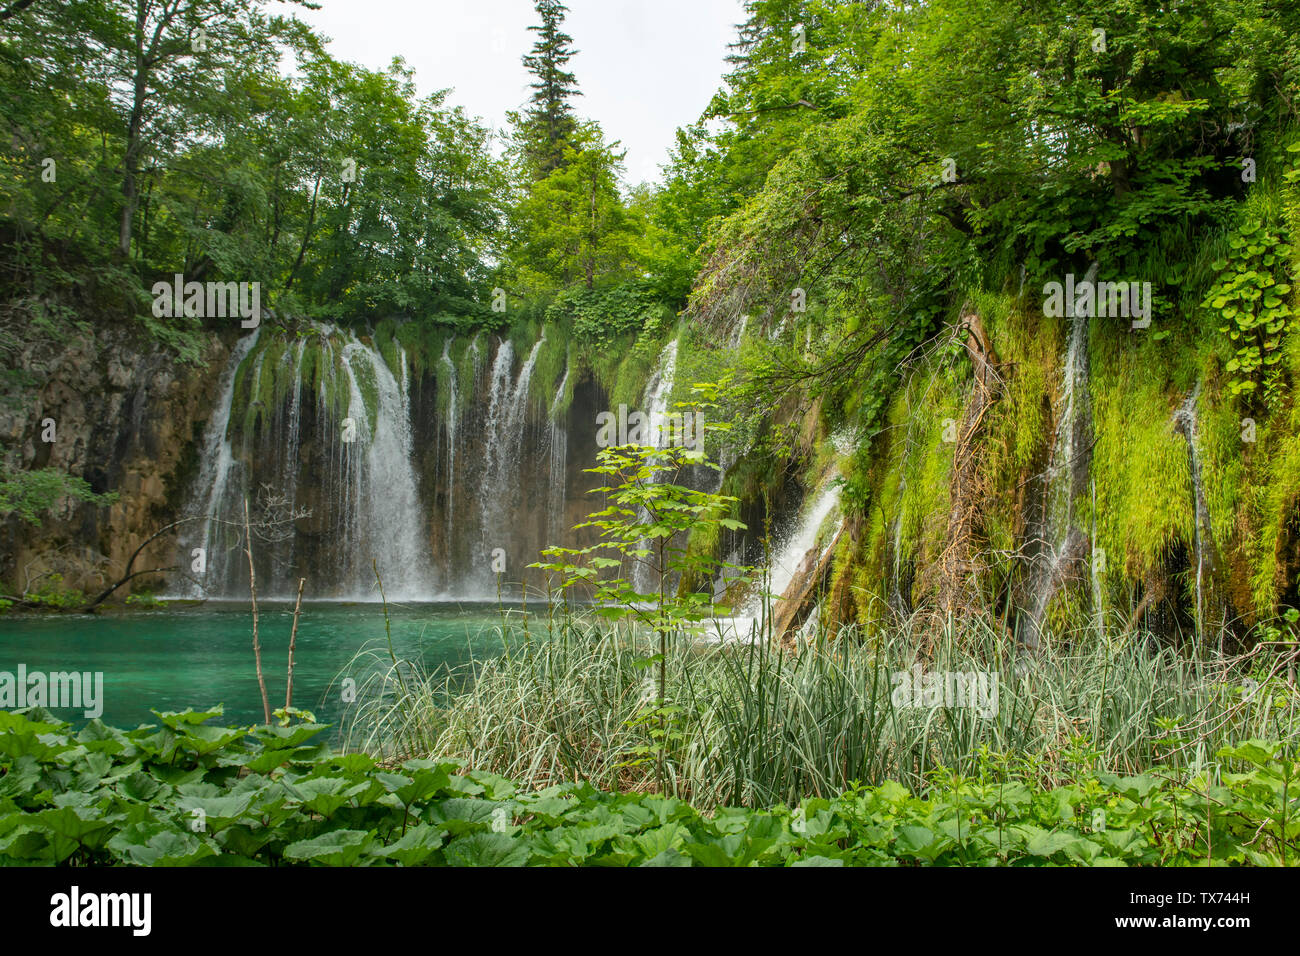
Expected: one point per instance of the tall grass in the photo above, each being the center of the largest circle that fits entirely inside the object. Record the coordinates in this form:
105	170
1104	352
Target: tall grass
759	725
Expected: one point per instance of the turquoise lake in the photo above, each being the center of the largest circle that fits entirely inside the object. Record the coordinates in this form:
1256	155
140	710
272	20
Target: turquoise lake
203	655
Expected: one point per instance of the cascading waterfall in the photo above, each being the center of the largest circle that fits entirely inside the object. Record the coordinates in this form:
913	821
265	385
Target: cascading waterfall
363	492
655	402
739	334
386	487
507	415
794	549
452	399
1067	476
502	365
796	546
1185	420
559	451
424	455
217	458
657	391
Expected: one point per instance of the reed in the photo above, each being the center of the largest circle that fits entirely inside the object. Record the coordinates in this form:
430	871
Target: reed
757	725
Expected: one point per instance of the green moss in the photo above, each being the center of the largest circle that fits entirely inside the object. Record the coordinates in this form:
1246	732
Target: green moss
1020	427
522	336
309	368
333	383
469	354
627	384
909	480
272	381
364	373
252	407
1140	465
239	396
388	346
552	360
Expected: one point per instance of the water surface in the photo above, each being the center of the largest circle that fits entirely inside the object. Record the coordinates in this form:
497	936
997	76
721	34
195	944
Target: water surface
202	655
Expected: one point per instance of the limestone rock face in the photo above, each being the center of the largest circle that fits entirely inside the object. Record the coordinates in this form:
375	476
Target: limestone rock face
125	415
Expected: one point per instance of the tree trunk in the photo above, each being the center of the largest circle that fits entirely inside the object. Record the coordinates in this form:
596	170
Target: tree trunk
252	589
958	564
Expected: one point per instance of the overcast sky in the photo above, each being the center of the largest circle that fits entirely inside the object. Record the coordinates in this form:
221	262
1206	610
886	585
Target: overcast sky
645	67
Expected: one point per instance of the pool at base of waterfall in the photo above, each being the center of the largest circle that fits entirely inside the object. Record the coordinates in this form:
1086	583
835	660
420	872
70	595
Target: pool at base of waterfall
202	655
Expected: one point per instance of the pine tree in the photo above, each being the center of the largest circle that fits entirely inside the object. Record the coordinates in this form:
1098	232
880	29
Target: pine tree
549	123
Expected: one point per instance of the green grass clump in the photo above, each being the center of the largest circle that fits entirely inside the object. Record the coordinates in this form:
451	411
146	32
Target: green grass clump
759	726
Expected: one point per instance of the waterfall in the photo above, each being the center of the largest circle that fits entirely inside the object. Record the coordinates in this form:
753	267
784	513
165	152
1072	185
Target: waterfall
451	434
507	414
359	486
217	459
1060	544
739	335
346	451
657	391
796	546
797	543
386	487
559	451
498	397
1185	420
654	401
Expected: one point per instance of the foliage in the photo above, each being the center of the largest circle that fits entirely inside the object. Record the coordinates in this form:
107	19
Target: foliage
646	523
185	792
549	123
50	592
179	146
572	227
601	315
33	494
1253	303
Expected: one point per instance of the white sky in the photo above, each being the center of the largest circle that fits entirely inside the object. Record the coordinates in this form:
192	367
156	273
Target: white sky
645	67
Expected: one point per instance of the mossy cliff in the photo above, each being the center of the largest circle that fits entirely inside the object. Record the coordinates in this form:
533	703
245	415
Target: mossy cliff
1184	510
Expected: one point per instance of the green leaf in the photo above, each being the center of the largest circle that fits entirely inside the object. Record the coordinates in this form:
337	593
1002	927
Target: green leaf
486	849
335	848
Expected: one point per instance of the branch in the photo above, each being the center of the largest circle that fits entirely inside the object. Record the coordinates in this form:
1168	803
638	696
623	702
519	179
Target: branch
89	608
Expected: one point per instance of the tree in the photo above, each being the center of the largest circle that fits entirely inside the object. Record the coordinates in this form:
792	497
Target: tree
572	226
185	146
161	63
647	522
549	123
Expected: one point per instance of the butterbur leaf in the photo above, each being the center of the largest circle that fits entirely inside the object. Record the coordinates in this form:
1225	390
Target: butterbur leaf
336	848
668	857
187	718
416	846
158	846
486	849
218	812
